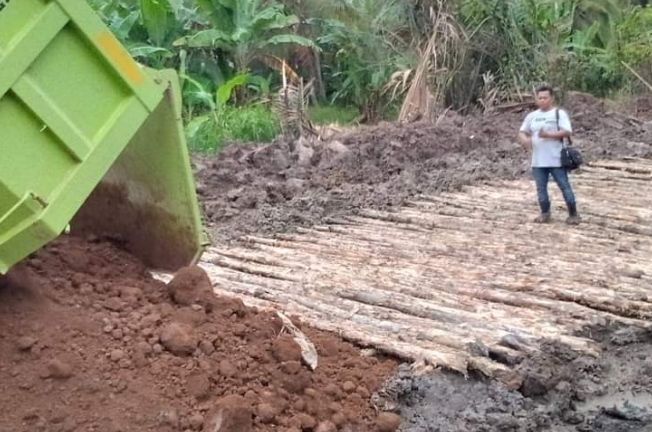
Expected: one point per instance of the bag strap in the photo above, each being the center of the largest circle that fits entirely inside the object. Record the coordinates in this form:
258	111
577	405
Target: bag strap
563	141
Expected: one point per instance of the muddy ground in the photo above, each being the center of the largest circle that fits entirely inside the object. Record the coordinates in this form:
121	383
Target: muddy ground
90	342
562	392
277	187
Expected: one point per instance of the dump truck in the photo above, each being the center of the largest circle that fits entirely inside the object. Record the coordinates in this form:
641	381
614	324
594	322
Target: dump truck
90	140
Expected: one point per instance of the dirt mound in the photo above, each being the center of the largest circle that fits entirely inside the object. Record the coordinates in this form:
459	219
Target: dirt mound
279	186
91	342
643	107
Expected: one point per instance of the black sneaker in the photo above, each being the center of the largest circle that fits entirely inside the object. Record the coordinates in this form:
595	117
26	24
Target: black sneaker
542	218
574	220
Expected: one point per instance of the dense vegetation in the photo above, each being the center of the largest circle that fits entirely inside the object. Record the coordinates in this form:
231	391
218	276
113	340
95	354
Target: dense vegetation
365	54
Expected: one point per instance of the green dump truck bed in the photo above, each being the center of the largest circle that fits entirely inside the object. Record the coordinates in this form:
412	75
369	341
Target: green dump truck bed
83	126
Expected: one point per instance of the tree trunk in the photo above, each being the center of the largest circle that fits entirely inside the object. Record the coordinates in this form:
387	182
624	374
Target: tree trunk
319	80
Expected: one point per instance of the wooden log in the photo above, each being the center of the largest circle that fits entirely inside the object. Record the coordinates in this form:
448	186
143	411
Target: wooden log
566	297
320	315
447	336
632	287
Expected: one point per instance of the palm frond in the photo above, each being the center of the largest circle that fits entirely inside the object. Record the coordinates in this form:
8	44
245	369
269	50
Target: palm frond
290	105
440	60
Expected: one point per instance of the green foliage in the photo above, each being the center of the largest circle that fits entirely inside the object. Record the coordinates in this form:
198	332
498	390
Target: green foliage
596	64
328	114
210	129
225	91
578	44
635	33
157	18
366	47
148	27
253	123
210	132
244	29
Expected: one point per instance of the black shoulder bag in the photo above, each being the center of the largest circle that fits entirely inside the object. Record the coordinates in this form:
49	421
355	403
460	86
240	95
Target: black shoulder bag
571	158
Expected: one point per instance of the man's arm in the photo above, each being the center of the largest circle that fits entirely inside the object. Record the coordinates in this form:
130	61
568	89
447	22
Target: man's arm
564	126
525	133
554	134
525	140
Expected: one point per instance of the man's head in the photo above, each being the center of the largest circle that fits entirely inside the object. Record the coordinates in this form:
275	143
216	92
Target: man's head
545	95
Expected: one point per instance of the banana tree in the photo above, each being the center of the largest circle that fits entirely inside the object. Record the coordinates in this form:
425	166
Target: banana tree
147	28
244	30
369	44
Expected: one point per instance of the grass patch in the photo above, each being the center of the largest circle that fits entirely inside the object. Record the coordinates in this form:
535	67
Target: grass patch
210	132
327	114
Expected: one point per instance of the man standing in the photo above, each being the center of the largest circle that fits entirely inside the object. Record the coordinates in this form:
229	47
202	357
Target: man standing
544	131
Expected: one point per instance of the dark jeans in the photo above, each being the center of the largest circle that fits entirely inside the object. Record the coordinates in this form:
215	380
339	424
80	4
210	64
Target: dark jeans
560	175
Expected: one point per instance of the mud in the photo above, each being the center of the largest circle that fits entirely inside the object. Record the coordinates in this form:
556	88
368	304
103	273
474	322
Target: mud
562	391
279	186
90	342
641	107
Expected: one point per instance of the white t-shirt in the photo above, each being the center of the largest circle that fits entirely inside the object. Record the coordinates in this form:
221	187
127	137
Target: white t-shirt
546	152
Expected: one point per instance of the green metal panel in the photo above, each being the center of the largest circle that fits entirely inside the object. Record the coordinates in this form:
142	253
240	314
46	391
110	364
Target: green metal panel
71	101
145	195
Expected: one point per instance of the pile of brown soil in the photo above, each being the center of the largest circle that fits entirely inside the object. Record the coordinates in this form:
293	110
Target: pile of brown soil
91	342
